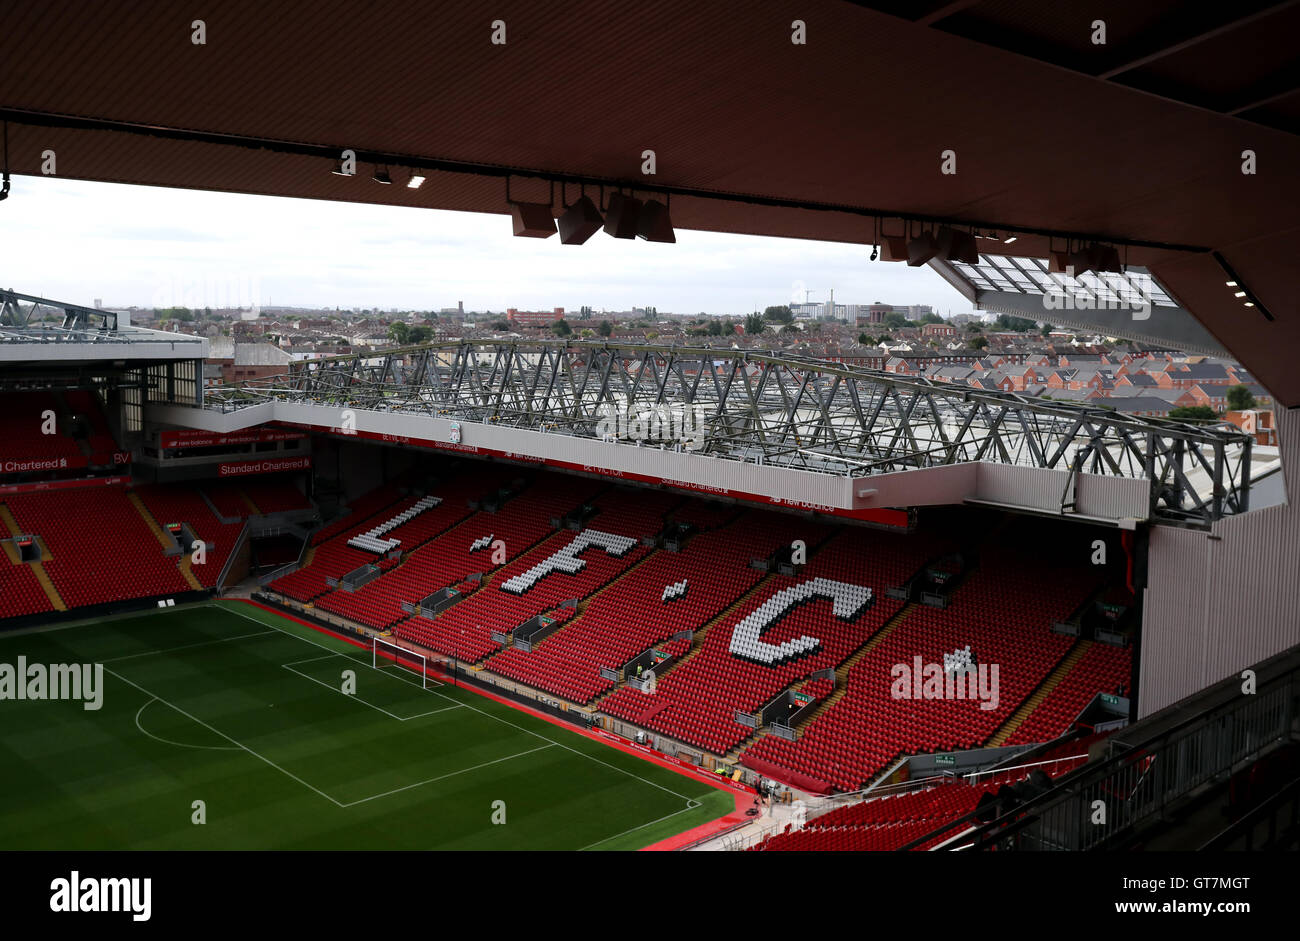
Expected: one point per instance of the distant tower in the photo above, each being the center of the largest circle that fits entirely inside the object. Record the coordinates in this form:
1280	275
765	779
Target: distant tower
830	306
460	306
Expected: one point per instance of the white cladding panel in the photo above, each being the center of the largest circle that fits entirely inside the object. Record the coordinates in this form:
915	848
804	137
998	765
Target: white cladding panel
1218	602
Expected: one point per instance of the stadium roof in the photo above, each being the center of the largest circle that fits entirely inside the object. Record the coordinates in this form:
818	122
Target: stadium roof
37	330
1139	140
749	408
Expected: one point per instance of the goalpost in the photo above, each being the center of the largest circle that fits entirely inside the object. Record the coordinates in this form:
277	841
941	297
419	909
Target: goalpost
385	655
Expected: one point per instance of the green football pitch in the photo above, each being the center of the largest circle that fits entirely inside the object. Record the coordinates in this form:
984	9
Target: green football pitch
244	710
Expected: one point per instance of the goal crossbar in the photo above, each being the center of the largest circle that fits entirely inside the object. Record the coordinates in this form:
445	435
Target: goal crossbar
386	655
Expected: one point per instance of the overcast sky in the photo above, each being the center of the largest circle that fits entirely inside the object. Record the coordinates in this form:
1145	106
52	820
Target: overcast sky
147	246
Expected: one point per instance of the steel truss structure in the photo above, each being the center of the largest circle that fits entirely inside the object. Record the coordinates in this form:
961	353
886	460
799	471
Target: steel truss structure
22	320
776	409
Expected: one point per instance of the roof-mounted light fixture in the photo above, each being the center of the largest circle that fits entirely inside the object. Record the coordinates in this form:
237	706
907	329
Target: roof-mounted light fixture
532	220
580	221
1234	281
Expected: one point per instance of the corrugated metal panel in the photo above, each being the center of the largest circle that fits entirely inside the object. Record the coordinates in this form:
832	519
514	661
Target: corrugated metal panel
1112	497
1214	606
789	487
1021	486
1042	488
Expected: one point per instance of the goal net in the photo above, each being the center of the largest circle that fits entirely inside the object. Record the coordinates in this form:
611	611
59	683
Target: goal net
385	655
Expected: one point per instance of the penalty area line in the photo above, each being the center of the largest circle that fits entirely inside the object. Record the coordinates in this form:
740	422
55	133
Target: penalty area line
233	741
355	698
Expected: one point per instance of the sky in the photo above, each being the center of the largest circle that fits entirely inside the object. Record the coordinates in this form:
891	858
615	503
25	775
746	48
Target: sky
146	246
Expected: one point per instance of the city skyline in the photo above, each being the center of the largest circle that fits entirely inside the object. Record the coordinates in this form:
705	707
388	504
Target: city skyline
155	247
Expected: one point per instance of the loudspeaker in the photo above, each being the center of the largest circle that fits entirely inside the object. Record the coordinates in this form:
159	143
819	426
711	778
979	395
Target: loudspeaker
579	222
533	220
623	216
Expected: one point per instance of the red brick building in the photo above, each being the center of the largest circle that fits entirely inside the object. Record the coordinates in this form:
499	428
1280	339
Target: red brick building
533	318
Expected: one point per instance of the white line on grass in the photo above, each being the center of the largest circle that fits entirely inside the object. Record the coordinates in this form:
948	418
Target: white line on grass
349	654
474	709
690	805
356	698
202	643
450	774
225	736
167	741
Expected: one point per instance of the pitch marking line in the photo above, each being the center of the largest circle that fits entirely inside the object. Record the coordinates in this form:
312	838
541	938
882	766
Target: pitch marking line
167	741
690	805
356	698
450	774
237	745
202	643
232	741
468	706
348	654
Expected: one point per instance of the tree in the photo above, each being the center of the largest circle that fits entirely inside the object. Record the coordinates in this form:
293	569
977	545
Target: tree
587	333
1194	412
605	328
973	327
501	325
400	332
419	335
865	340
1016	324
715	328
561	328
778	314
895	319
1240	399
979	343
931	318
1047	329
754	325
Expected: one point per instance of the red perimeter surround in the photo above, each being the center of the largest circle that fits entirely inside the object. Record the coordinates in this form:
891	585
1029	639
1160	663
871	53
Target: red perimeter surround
704	830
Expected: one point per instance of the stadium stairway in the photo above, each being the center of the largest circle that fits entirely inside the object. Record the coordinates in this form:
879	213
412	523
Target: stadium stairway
163	541
188	574
1068	663
582	606
585	602
841	679
42	576
697	641
842	671
154	528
